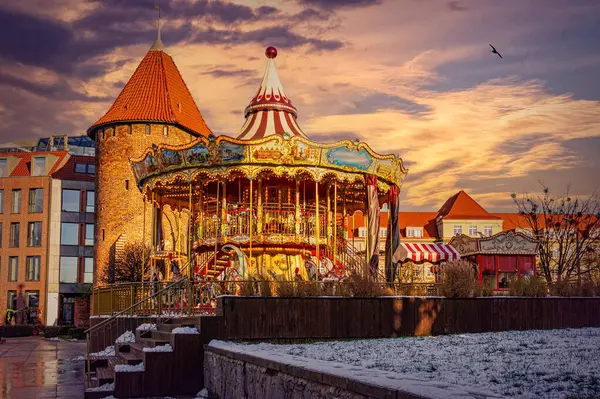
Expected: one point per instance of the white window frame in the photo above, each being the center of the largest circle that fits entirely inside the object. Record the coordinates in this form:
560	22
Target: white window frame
473	230
488	231
457	229
38	171
382	232
414	232
362	232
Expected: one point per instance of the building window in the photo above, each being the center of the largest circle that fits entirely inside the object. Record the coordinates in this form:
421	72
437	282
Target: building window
102	134
362	232
14	235
88	272
85	168
32	299
165	130
487	231
15	205
39	166
0	234
130	129
13	268
12	300
383	233
71	200
89	202
414	232
126	184
32	268
68	269
69	234
472	230
89	234
147	129
34	234
36	200
1	201
3	168
457	230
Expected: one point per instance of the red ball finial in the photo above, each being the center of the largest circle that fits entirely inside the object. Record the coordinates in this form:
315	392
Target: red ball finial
271	52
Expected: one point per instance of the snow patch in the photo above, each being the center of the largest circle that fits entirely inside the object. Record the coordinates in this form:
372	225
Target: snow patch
202	394
128	368
518	364
146	327
78	358
125	338
160	348
102	388
185	330
108	351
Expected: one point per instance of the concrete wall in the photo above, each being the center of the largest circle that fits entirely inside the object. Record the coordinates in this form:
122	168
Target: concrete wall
54	253
231	372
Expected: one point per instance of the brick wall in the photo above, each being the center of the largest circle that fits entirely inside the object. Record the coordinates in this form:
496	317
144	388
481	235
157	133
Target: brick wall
82	313
120	210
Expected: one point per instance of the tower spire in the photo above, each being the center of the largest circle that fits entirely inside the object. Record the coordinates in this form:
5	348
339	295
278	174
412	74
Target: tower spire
158	44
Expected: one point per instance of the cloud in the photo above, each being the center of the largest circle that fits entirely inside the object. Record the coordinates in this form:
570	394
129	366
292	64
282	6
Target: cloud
455	6
336	4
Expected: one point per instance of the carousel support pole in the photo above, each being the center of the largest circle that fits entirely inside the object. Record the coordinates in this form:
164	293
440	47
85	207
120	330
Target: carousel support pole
216	229
201	213
189	241
317	227
250	222
367	242
297	213
328	194
334	223
259	221
224	210
144	242
153	236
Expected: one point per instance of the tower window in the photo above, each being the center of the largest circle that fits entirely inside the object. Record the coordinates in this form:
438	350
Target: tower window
165	130
147	129
130	128
102	234
114	132
126	184
102	134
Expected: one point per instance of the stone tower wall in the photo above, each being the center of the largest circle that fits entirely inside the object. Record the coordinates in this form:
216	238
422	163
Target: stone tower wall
119	203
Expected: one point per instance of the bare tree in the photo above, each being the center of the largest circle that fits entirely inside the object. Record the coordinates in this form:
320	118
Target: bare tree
566	227
133	263
177	220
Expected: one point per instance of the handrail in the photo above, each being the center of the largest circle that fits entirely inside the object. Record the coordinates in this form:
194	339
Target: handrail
159	292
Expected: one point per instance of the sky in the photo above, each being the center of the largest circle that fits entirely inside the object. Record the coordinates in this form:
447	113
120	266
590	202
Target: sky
411	77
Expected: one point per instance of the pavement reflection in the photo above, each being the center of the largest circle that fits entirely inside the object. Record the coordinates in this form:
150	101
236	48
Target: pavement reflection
35	367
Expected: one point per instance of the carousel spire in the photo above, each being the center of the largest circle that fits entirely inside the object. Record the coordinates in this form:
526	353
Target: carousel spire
270	111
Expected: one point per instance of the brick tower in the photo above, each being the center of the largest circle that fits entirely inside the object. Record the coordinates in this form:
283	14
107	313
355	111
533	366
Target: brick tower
154	107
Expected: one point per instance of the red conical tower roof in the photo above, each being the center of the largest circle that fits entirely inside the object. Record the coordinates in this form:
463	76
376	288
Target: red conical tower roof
462	206
270	111
156	92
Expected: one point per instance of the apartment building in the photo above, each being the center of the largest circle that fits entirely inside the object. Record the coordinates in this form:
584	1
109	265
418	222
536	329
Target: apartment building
46	225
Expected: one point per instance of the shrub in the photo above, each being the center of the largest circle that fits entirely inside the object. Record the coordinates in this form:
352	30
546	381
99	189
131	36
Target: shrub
308	289
485	289
588	288
15	331
458	280
264	288
364	288
248	288
55	331
562	288
285	289
532	286
77	333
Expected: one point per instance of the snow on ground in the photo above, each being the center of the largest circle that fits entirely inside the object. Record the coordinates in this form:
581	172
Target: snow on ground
519	364
185	330
102	388
127	368
146	327
159	348
108	351
202	394
126	337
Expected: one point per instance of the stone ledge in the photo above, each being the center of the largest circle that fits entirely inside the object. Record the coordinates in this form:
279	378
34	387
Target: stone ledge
355	381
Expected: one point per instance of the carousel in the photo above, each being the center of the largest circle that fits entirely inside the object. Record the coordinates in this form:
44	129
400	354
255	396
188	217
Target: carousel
271	204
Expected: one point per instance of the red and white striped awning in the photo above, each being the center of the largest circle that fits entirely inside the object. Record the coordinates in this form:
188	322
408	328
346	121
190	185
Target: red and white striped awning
433	253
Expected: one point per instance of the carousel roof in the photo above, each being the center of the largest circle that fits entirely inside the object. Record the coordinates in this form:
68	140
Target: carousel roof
156	92
270	111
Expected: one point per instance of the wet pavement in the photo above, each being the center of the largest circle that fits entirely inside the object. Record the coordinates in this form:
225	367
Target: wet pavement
35	367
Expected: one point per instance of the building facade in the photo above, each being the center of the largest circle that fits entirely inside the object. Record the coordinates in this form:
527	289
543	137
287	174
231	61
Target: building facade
39	228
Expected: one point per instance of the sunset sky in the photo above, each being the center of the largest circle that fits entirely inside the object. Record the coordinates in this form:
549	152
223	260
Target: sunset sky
412	77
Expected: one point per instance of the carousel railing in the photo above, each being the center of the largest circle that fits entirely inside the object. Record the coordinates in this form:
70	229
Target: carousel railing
271	218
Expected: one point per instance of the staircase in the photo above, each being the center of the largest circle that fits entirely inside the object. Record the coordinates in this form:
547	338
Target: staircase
151	373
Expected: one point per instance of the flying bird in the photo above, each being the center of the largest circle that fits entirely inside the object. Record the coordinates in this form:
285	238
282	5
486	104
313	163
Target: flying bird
495	51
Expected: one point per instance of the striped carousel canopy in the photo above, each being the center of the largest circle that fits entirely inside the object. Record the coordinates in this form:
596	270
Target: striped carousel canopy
270	111
433	253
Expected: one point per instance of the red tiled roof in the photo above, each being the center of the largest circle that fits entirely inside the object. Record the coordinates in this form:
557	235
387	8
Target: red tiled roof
67	172
462	206
426	220
23	168
156	92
